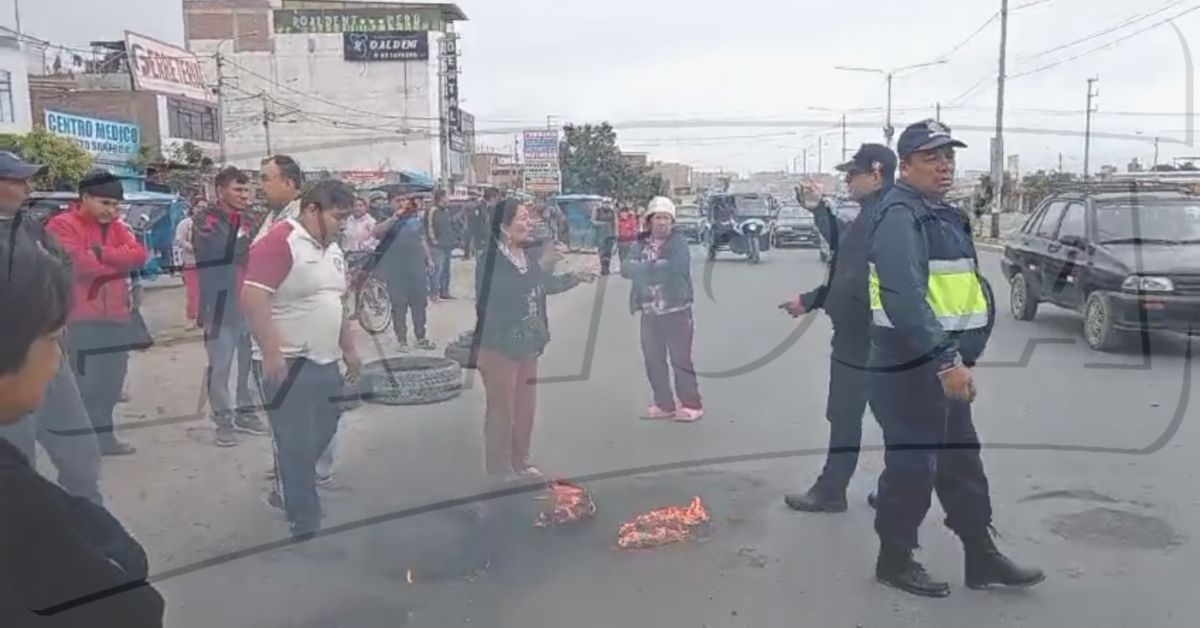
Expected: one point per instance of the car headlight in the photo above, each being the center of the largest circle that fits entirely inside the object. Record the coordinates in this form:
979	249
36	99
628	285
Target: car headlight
1139	283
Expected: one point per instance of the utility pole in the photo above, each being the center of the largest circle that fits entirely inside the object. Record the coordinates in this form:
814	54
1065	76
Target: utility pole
1087	133
266	113
938	115
1155	152
221	104
888	131
1060	163
820	153
843	138
998	143
17	15
805	153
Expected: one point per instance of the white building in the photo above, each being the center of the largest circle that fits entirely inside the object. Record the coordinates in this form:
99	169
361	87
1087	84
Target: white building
15	116
287	86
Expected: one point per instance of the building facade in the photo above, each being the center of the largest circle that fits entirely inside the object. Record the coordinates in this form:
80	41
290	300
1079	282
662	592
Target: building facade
15	116
341	86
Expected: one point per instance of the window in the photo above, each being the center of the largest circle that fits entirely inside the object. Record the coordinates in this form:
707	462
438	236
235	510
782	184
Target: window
7	114
1074	222
1034	220
192	121
1050	221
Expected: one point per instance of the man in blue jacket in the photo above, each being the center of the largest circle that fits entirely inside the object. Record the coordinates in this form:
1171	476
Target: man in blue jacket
869	175
931	314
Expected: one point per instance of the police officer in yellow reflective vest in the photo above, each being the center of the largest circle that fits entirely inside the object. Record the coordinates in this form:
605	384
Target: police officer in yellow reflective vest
931	316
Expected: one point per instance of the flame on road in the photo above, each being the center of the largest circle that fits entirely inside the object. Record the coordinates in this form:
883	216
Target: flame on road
663	526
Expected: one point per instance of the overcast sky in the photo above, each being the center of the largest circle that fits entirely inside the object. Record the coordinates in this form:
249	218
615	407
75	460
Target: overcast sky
671	62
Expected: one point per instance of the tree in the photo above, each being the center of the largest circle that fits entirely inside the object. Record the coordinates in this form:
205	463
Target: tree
66	163
1038	185
591	163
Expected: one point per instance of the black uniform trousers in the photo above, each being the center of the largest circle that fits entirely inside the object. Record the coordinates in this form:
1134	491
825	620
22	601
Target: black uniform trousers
846	404
931	446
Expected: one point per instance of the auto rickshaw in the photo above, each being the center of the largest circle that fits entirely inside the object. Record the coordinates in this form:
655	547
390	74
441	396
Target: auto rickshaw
738	223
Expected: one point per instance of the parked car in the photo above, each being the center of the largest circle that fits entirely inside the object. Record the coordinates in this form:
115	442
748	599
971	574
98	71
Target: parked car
687	222
1126	256
795	226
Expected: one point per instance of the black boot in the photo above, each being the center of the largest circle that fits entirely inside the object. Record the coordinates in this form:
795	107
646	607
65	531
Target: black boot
986	566
817	499
897	569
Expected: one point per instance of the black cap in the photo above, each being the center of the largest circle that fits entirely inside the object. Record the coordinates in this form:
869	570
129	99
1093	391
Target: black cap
103	184
925	135
15	168
871	157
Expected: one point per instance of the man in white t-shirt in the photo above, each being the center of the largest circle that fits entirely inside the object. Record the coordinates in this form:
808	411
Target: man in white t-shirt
295	281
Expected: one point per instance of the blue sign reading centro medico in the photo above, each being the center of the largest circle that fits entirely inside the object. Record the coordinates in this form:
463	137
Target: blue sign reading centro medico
101	138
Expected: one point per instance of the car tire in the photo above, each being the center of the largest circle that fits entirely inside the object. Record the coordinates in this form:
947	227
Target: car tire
1022	298
410	380
1098	328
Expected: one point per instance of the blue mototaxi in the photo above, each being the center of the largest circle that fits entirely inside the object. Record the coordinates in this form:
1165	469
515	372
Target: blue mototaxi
578	211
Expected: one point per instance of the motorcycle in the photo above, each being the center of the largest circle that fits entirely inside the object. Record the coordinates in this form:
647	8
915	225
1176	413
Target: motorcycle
742	236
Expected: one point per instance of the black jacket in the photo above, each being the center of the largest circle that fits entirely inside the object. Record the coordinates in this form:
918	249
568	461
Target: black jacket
65	561
844	294
222	243
672	270
503	320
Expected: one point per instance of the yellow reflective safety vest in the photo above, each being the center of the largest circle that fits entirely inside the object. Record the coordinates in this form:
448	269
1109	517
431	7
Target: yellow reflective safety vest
954	293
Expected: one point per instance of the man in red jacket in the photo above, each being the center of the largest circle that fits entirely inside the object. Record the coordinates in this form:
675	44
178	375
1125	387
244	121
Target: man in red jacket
104	251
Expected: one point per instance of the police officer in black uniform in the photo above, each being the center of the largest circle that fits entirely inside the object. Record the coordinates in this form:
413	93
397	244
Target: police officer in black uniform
932	314
869	175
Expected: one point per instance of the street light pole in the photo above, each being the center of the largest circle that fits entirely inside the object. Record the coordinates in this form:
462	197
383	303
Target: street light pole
843	138
221	103
998	147
820	153
888	130
266	122
1087	132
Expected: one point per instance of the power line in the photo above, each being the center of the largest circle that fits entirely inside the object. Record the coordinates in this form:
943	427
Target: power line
1107	46
1127	22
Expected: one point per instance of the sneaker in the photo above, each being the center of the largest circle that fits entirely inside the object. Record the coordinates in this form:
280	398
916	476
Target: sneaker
654	413
689	415
426	344
115	447
274	500
270	475
251	424
447	297
402	347
530	474
816	500
325	481
226	437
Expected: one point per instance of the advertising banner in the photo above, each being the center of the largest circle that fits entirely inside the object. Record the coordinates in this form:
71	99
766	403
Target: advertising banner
160	67
386	46
365	20
106	140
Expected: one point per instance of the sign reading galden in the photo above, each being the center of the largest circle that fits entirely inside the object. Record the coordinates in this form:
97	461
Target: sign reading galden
160	67
373	20
386	46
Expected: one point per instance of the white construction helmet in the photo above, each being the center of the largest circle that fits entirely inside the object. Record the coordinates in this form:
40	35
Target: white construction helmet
660	205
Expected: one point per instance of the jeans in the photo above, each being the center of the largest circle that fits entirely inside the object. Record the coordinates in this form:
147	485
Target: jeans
440	276
62	426
666	347
847	402
304	416
100	359
407	290
511	406
931	447
605	243
224	344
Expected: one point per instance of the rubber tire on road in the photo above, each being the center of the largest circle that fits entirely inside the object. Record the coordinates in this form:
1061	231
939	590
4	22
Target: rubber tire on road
1023	302
1103	336
410	380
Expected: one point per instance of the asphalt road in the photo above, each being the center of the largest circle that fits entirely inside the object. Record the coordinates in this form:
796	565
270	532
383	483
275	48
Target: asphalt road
1091	459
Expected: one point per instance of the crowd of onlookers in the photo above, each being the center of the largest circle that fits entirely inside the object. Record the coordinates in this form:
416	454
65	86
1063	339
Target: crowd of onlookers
269	289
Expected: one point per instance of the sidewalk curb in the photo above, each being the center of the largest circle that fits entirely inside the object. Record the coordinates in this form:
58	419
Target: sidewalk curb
989	247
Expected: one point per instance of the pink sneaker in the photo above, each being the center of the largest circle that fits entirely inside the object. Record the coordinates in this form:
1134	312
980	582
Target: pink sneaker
654	413
690	415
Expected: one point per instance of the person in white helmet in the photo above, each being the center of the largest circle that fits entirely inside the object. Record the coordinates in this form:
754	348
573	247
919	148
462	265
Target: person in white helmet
659	266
